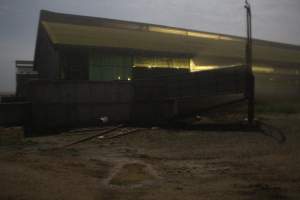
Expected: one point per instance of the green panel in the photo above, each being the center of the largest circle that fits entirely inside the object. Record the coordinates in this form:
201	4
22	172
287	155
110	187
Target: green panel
106	67
94	73
107	73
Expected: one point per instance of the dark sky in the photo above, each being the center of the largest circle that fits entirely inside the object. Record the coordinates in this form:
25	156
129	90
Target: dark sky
275	20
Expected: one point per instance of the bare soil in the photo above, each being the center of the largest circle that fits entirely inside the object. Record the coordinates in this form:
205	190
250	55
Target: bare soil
158	164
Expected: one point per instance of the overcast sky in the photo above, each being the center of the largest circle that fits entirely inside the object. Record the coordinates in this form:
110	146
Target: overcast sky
275	20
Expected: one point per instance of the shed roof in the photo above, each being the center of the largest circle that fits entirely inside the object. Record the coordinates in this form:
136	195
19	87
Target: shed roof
77	30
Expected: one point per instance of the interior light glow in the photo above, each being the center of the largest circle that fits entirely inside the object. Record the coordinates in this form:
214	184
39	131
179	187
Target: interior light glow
197	68
203	68
262	69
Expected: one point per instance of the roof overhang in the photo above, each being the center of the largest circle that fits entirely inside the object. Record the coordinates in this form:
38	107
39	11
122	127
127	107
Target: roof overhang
106	33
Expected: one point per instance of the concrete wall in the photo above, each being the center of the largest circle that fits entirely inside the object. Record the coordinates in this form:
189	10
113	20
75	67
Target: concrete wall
65	104
165	97
14	114
198	84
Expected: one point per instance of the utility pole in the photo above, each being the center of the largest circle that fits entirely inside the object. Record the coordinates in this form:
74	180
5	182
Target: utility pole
250	80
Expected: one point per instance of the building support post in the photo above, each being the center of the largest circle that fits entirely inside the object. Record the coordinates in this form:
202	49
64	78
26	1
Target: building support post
250	80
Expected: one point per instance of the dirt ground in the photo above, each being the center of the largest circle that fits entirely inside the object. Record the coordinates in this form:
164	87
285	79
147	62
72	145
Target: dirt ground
157	164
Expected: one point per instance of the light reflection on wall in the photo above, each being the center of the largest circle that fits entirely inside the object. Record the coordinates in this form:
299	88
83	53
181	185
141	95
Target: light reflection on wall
256	69
161	62
197	68
188	33
209	36
262	69
166	30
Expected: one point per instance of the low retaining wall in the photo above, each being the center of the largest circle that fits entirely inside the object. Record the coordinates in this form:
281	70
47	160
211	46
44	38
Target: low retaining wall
14	114
63	104
67	104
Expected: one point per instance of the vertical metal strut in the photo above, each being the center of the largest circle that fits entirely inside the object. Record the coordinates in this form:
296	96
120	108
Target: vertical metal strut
250	82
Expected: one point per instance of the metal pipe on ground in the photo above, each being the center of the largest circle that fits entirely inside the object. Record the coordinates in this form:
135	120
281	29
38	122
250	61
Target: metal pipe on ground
93	136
